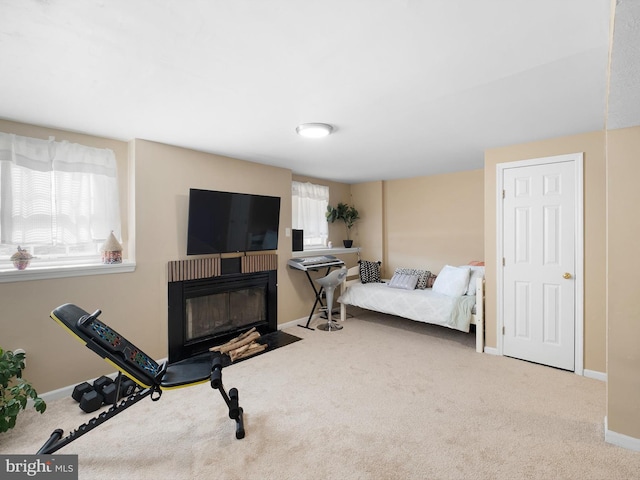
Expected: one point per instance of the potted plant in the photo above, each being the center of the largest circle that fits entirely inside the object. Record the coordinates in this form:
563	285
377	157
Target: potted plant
14	390
348	214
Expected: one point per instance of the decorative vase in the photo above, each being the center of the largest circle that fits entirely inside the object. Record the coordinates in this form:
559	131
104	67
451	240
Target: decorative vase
21	259
347	243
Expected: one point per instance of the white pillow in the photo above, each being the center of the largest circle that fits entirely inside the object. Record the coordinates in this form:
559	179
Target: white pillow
452	281
476	272
403	281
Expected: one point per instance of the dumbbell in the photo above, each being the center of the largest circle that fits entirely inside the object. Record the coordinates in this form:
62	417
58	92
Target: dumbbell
91	397
127	387
91	401
85	387
80	390
100	383
110	392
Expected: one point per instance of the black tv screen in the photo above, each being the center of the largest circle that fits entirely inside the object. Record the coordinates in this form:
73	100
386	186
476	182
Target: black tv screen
224	222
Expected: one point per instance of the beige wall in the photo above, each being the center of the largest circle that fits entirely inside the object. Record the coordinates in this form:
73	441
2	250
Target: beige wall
623	353
369	231
433	221
592	144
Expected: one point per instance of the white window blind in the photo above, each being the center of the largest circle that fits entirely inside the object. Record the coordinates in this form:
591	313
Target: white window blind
309	205
58	199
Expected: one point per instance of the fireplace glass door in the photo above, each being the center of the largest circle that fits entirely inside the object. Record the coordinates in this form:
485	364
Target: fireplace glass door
219	313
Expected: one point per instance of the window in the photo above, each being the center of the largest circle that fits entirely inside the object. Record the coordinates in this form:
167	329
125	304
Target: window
309	205
58	200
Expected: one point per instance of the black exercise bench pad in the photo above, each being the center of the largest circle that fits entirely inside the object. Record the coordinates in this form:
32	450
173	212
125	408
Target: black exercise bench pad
187	372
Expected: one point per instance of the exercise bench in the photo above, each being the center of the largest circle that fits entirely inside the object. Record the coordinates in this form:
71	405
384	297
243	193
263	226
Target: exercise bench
152	378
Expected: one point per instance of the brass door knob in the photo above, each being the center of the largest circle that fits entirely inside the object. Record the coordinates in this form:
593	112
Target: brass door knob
567	275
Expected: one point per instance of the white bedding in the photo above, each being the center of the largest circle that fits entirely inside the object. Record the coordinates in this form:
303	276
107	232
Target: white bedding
420	305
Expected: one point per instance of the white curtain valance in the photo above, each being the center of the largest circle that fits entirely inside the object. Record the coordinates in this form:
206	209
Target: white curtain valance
48	155
310	190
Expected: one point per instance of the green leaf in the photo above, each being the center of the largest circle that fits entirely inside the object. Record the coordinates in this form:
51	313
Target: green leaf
40	405
13	409
4	424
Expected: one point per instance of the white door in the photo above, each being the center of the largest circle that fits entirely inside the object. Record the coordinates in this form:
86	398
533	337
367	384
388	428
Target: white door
539	220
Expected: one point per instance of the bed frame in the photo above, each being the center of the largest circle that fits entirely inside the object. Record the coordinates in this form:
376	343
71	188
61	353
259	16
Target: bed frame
477	319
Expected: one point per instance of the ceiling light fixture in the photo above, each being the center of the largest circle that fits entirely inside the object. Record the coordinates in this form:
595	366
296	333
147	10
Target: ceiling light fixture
314	130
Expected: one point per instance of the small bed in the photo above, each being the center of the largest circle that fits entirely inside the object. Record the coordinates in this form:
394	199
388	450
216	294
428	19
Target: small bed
458	312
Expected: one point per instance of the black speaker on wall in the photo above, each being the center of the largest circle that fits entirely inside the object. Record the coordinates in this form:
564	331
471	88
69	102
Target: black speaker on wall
296	237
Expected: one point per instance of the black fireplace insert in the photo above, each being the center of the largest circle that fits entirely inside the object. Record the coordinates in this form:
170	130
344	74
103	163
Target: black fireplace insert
207	312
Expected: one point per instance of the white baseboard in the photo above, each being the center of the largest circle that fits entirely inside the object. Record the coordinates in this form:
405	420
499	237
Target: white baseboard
620	440
300	321
57	394
491	350
595	375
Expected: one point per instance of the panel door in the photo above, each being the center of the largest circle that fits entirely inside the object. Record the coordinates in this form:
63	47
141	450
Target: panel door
539	262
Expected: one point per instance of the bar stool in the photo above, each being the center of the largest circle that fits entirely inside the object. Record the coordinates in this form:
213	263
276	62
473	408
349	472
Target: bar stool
329	284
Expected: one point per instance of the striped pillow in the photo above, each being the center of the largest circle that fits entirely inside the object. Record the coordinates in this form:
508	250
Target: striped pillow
404	281
423	276
369	271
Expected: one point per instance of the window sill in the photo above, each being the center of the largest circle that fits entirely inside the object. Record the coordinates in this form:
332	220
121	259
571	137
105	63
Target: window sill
312	252
63	271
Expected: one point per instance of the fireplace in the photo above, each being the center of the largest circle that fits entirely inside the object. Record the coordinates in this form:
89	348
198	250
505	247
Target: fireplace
205	312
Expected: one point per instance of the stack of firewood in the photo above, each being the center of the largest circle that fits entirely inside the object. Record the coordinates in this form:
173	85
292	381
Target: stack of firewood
242	346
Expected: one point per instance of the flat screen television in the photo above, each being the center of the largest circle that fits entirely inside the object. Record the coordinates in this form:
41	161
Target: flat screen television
224	222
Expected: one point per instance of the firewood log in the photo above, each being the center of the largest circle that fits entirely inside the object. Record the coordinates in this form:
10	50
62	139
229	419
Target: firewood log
228	347
247	352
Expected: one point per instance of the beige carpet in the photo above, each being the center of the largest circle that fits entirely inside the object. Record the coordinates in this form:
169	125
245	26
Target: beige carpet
384	398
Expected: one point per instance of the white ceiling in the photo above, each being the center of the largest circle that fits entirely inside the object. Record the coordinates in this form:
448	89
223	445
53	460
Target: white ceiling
412	87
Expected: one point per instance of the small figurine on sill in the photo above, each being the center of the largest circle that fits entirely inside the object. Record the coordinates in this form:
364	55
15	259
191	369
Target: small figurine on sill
111	250
21	258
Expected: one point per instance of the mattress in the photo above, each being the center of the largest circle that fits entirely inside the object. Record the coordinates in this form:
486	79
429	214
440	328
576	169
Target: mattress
420	305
